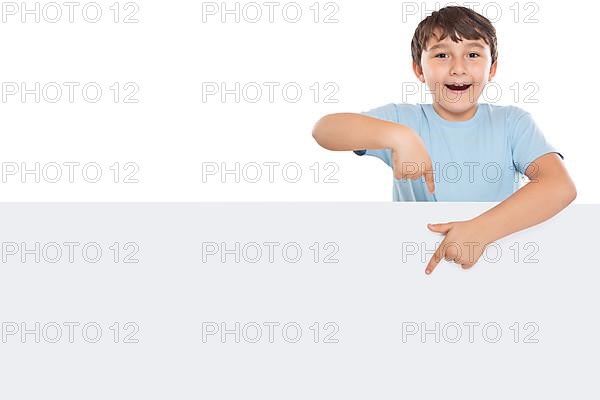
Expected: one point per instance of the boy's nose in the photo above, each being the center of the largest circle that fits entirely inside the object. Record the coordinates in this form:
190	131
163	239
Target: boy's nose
457	68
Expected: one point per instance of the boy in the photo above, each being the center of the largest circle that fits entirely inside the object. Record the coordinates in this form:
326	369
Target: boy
457	149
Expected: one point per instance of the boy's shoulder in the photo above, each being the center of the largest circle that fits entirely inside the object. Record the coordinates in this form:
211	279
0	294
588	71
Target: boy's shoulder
396	112
514	117
511	111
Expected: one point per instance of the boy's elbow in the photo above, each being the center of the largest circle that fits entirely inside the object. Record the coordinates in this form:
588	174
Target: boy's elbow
573	193
317	132
570	192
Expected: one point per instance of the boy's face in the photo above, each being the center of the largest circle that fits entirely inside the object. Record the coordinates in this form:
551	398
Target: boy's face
445	63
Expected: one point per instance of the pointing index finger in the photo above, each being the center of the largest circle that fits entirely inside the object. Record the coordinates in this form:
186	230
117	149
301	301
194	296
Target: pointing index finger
429	181
436	258
428	173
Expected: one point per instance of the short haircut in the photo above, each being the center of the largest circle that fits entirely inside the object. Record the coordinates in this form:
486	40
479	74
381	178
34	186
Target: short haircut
458	22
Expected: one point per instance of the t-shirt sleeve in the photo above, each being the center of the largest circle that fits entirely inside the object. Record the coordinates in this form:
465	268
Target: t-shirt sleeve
527	141
387	112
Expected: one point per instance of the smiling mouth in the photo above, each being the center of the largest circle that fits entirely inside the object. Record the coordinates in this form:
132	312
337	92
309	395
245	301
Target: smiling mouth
458	88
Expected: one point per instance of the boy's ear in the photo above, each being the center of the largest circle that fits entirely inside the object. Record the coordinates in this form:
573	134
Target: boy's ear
418	72
493	70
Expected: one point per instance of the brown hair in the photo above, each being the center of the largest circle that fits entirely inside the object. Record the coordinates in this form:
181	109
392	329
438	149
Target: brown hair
457	22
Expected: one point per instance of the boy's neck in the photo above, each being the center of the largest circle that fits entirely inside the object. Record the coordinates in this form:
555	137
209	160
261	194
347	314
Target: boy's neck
454	117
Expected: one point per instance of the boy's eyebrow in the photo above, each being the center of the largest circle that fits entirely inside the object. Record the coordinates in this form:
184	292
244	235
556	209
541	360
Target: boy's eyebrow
443	45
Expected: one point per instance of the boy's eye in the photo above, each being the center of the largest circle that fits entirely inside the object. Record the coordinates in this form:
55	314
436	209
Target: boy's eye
443	55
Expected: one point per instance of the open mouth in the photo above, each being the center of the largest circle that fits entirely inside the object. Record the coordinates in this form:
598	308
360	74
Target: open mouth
458	88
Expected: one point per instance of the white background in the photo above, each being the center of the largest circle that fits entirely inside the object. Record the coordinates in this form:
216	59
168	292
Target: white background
170	132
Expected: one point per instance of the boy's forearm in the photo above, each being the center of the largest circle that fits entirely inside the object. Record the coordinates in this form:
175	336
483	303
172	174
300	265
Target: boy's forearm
347	131
532	204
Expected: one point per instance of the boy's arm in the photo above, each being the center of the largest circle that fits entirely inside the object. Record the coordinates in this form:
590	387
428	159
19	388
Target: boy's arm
549	191
348	131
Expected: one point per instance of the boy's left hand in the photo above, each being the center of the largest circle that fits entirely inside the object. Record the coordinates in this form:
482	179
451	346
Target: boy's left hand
464	243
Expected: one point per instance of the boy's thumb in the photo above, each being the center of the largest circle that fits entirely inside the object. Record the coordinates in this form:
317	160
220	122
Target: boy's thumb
442	228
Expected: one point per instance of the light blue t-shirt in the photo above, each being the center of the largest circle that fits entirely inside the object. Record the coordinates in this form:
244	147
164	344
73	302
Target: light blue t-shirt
481	159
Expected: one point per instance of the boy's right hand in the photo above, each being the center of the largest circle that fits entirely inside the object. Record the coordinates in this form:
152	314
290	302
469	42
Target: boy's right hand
410	157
